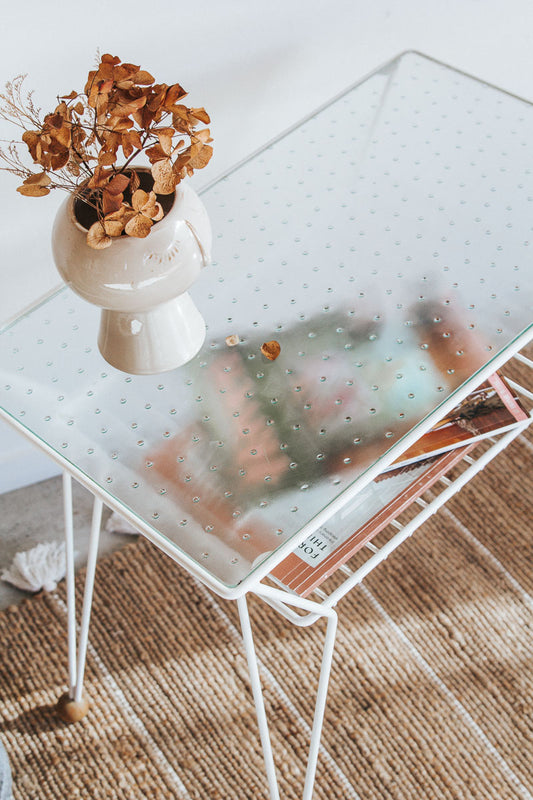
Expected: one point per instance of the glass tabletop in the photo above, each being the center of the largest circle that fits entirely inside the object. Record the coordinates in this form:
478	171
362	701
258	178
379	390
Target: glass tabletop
384	243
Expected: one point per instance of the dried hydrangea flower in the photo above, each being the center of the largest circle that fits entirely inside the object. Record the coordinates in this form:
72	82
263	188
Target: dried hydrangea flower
121	112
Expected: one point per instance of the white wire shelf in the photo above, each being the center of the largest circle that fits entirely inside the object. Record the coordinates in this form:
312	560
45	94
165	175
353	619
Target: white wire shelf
373	553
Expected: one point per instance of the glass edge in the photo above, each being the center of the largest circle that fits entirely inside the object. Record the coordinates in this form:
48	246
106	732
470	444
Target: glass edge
375	71
33	306
280	136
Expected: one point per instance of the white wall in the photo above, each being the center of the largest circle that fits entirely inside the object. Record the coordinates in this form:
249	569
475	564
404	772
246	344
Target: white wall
256	66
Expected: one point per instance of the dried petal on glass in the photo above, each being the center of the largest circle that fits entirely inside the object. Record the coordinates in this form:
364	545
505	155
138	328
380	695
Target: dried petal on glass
271	350
233	340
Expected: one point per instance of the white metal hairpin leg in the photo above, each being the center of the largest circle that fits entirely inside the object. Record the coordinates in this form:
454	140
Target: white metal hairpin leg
269	593
72	706
282	601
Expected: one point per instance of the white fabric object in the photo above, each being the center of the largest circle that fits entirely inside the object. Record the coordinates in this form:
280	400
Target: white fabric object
117	524
39	568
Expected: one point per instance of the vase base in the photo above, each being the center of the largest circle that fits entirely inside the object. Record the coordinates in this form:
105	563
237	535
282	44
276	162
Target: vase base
154	341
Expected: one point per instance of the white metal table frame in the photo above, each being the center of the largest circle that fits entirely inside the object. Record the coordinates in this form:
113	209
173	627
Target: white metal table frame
283	602
299	611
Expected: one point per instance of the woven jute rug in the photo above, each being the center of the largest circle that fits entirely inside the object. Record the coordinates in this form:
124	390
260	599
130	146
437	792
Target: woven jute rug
431	690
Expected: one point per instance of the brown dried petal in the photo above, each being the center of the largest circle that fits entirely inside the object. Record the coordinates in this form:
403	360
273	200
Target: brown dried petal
105	86
107	58
120	214
139	226
165	140
54	120
78	136
167	129
40	178
143	78
97	238
100	177
156	153
32	140
139	199
173	94
135	182
164	176
166	144
271	349
106	159
33	190
203	136
60	160
54	145
118	184
151	207
200	155
114	227
133	138
144	118
127	148
111	202
123	72
105	72
102	104
73	167
233	340
62	135
131	108
156	97
180	119
120	125
201	115
159	213
62	109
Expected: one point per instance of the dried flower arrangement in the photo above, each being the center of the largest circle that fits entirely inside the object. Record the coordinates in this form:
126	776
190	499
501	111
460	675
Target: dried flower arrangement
77	145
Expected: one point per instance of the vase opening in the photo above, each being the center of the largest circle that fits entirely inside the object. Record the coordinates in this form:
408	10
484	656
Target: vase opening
86	215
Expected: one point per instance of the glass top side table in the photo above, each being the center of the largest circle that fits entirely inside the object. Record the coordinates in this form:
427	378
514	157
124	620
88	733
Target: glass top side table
384	243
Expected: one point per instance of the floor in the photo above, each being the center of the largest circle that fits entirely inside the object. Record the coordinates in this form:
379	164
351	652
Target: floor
33	515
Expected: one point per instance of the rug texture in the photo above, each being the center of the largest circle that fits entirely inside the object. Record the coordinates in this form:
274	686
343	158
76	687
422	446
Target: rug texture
431	695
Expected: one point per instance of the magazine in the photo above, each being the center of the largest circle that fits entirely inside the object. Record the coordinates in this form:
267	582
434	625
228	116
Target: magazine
489	410
347	531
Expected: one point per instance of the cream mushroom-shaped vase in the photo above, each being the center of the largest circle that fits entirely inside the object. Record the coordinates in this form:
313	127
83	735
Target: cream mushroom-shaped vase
149	322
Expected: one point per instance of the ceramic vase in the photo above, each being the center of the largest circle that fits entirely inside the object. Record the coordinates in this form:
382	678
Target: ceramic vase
149	322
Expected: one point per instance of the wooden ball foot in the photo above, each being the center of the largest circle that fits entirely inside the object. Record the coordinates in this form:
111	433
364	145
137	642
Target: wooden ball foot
70	710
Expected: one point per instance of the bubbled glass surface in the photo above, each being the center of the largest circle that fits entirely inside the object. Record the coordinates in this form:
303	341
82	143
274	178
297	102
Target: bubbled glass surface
384	243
